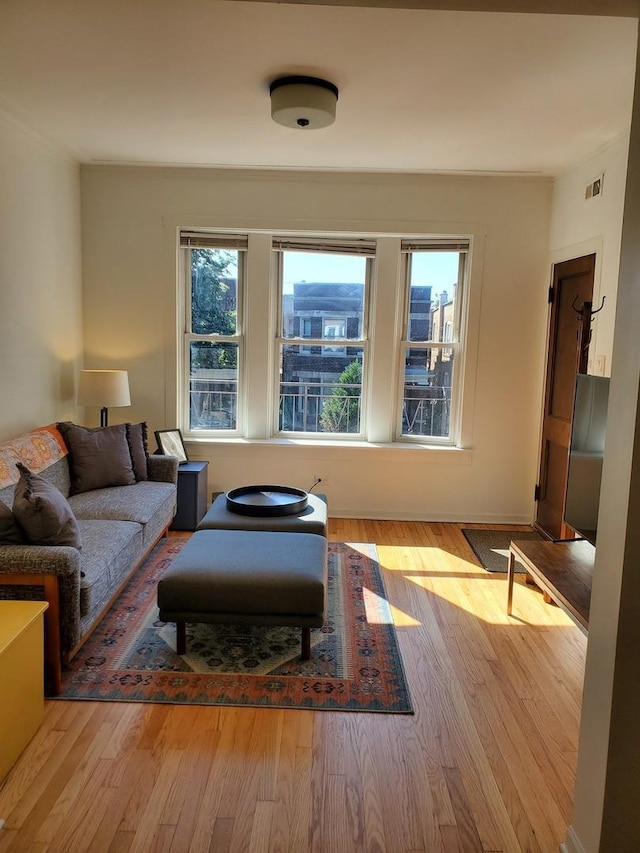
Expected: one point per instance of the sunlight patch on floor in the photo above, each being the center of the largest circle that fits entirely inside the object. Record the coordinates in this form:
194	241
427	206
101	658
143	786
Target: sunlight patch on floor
441	573
402	619
449	590
410	555
430	559
379	612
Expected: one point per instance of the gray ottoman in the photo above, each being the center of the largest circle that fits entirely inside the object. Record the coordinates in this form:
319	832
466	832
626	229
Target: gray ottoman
313	519
247	577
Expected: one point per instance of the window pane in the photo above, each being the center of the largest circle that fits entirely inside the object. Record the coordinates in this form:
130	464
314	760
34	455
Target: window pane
434	276
320	391
323	295
426	404
213	385
214	287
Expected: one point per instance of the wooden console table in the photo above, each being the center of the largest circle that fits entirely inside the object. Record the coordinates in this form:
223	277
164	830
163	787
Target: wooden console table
561	569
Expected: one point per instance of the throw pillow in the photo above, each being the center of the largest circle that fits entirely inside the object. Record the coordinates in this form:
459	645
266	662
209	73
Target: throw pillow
10	533
137	441
98	458
43	512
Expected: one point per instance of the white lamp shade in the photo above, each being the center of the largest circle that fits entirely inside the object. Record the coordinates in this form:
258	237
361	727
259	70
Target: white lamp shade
104	388
305	103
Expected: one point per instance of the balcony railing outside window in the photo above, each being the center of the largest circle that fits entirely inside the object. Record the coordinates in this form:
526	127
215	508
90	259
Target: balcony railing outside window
425	410
212	404
319	407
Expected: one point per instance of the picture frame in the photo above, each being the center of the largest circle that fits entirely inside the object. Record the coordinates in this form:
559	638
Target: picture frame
170	443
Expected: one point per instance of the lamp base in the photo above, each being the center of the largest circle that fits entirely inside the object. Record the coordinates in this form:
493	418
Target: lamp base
104	417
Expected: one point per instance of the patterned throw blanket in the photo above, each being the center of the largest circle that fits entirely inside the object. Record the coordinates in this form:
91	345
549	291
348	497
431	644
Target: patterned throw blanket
37	449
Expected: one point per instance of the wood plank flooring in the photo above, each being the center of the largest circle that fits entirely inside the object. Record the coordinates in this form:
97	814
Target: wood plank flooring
486	763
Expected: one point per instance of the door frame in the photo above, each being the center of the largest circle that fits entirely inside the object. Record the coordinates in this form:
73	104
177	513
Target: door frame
569	253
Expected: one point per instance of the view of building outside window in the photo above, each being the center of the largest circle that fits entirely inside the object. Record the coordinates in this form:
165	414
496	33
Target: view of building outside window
429	366
321	383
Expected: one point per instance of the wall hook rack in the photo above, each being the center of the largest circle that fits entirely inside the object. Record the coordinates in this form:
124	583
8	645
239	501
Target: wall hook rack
585	315
585	310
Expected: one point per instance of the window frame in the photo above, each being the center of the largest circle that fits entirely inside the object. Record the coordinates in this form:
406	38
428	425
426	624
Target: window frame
456	345
357	246
189	241
383	340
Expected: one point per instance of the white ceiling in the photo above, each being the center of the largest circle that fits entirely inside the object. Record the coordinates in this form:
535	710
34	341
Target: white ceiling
162	82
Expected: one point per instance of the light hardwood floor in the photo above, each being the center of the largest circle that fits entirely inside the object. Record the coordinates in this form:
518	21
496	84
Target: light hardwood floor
486	763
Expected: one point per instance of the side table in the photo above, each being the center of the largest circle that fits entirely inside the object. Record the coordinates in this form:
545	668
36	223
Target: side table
192	495
563	570
21	677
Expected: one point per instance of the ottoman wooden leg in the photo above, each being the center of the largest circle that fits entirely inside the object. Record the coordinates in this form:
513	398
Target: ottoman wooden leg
181	638
306	643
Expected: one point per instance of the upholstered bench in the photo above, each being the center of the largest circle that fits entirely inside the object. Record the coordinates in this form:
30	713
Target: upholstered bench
249	578
313	519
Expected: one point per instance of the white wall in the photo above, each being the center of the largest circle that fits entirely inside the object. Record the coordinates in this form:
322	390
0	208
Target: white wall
40	287
605	813
130	217
581	226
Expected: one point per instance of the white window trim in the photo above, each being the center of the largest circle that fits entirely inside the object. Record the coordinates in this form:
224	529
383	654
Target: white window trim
460	333
186	242
385	335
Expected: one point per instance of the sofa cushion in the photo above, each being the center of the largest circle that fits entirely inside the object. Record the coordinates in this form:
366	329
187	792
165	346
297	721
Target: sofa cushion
10	533
43	512
110	550
99	458
139	450
137	503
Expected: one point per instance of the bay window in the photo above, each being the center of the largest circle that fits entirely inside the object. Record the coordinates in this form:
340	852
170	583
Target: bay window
297	332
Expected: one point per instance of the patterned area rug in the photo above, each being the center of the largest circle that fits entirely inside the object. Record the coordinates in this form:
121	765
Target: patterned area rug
355	662
491	547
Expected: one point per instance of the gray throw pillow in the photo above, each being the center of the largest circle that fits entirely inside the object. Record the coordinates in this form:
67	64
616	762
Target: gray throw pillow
43	512
10	533
98	458
139	450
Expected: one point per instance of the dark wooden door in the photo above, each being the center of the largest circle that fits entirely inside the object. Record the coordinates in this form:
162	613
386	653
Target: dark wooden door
568	352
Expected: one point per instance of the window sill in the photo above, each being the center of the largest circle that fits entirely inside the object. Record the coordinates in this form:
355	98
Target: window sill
434	452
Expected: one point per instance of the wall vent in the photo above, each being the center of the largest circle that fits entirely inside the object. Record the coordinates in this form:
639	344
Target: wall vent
594	188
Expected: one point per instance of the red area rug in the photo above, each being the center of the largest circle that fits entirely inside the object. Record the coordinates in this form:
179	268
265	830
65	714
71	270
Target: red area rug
355	662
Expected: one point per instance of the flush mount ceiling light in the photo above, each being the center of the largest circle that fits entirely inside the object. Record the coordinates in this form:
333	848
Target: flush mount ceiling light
305	103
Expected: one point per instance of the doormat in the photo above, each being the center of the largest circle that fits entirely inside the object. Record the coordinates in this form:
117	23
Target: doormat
355	661
491	547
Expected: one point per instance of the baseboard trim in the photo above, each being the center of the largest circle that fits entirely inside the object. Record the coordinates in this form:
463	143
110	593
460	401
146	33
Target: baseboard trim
457	518
572	843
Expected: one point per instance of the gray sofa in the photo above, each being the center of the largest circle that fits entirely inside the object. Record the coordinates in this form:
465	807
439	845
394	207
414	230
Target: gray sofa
118	526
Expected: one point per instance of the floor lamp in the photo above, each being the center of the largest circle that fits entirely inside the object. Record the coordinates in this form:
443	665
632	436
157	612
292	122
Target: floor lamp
104	388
